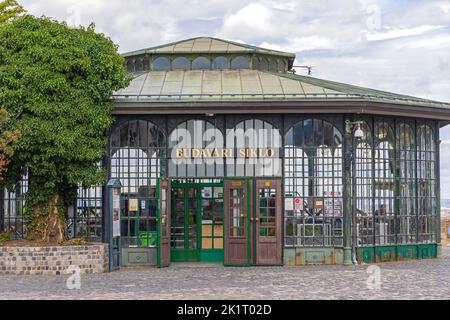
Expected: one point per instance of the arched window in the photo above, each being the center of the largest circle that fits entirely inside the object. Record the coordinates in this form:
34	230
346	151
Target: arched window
221	63
137	154
263	64
239	62
130	65
139	64
313	184
201	63
273	65
195	138
255	63
281	66
181	63
384	188
426	184
406	157
161	63
363	185
256	135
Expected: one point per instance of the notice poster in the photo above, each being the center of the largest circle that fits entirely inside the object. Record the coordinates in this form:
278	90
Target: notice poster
207	192
298	204
289	204
116	213
133	205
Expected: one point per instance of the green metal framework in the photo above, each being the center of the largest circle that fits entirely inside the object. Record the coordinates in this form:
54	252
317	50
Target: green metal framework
192	237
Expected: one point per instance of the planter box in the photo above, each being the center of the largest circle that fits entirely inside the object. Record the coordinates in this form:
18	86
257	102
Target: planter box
53	260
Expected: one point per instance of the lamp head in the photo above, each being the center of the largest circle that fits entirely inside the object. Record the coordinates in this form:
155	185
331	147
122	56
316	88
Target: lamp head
359	133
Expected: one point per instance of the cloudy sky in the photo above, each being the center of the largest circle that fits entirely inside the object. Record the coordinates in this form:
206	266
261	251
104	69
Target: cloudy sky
401	46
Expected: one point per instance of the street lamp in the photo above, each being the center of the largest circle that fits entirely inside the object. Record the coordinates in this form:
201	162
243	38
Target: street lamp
349	176
350	127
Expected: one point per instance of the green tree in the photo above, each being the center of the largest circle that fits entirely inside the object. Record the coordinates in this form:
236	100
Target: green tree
9	9
56	82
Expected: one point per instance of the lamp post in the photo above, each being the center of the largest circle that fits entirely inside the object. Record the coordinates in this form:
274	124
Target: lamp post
351	128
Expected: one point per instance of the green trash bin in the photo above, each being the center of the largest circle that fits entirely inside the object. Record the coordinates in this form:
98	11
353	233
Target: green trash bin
147	239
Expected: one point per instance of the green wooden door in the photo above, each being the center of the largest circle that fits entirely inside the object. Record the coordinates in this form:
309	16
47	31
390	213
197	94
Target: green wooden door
184	229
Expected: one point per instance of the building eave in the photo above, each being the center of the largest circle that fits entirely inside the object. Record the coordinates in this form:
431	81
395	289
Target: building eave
306	106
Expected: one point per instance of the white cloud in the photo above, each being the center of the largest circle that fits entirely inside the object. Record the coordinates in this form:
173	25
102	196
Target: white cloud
253	18
300	44
445	7
434	41
398	33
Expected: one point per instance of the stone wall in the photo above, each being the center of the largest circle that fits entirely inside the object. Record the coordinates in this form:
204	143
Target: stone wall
53	260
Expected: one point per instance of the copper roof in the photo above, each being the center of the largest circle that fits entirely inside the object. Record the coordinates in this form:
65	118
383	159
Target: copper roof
249	85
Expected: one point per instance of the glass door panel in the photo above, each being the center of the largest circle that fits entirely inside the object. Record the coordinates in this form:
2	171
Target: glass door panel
192	218
267	222
178	219
237	213
212	218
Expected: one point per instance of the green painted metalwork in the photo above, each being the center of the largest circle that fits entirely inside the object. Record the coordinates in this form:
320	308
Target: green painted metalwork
347	198
377	254
198	254
407	252
158	218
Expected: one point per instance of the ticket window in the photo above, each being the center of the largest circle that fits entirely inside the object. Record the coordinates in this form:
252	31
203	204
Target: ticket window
139	224
212	218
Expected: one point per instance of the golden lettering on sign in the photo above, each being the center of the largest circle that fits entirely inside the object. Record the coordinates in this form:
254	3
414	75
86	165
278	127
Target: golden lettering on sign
225	153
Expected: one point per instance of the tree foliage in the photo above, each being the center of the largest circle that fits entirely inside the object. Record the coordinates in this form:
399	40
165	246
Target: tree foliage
56	83
9	9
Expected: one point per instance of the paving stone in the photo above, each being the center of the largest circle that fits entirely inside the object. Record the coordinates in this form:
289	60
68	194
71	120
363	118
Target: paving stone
420	279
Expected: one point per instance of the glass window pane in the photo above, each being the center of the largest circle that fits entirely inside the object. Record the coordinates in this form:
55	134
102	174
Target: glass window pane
273	65
181	63
239	62
281	66
201	63
221	63
161	63
264	64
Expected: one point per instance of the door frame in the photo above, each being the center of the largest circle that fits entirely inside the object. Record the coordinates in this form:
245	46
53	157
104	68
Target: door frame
252	221
251	227
248	206
187	255
256	237
198	186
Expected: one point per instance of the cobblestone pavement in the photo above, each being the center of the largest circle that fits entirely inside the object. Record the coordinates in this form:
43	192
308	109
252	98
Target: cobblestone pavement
422	279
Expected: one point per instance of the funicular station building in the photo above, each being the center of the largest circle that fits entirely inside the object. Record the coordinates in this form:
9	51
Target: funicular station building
225	154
